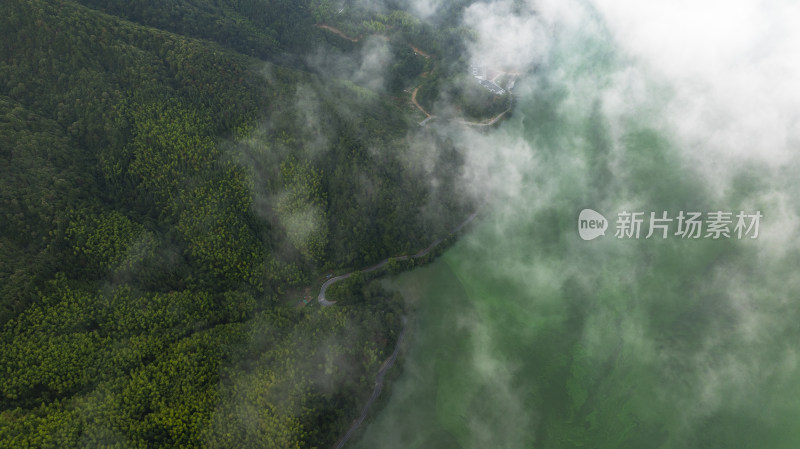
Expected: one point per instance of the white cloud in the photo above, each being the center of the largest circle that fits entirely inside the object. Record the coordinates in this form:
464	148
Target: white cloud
509	34
375	59
733	67
425	8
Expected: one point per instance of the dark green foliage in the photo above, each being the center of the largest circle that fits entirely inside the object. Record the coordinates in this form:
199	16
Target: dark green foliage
406	67
41	177
155	371
160	190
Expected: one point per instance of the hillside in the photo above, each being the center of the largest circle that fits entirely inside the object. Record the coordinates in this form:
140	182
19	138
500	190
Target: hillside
170	171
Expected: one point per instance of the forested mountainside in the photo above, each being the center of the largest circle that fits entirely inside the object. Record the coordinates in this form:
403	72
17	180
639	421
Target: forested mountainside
169	171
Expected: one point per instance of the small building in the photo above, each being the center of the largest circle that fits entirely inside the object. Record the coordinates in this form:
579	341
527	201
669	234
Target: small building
492	87
478	72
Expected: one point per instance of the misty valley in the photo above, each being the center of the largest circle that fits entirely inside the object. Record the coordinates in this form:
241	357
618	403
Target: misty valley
388	224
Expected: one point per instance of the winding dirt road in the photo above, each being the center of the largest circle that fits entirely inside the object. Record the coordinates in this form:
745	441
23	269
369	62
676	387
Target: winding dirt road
337	32
414	100
428	116
417	50
422	253
489	122
323	301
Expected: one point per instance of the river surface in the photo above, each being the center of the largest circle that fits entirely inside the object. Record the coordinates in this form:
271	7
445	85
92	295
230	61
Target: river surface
524	335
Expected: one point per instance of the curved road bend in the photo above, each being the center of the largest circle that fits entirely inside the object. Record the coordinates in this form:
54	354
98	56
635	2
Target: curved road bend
428	116
390	361
377	390
422	253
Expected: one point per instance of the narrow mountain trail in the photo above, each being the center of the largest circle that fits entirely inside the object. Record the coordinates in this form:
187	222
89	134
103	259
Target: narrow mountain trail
414	101
337	32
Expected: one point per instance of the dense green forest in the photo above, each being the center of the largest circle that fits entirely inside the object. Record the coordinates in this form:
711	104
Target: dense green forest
169	173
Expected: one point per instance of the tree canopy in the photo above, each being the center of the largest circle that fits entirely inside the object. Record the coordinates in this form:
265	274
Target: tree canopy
171	174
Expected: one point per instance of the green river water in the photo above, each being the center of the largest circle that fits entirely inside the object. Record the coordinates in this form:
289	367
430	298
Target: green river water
523	335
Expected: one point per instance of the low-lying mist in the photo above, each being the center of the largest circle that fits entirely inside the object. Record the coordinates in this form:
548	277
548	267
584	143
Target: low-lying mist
528	336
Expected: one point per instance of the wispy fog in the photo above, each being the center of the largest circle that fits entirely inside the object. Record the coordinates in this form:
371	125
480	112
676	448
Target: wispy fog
625	343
